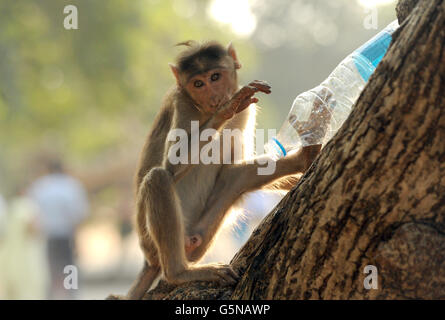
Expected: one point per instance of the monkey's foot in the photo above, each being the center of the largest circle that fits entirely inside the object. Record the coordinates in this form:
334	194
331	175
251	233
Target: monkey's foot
220	273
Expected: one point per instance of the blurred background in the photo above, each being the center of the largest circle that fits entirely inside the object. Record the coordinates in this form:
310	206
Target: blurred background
76	105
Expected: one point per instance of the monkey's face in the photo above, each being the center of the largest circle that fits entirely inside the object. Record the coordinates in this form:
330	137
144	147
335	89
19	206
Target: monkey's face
211	89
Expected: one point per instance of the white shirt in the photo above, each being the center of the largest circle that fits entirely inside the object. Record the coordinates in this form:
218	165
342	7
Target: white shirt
2	214
62	203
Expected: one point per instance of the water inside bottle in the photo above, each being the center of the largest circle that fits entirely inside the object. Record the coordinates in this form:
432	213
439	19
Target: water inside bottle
317	114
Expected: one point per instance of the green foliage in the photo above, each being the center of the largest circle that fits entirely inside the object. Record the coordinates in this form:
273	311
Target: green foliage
86	91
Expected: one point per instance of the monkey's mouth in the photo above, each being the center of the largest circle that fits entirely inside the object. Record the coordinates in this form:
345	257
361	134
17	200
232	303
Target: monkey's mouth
211	109
215	107
218	104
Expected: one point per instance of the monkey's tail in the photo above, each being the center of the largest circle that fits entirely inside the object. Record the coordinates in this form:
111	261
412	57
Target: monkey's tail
144	281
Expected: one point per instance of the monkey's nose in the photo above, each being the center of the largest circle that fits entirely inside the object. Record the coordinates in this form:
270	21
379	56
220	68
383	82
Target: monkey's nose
214	102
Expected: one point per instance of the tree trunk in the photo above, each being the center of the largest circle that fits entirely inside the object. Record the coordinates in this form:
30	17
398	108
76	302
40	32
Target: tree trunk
374	196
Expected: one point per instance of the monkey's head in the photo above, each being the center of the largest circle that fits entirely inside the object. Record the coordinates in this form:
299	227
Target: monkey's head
207	73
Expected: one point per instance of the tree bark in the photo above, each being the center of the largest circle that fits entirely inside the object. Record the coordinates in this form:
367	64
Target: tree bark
374	196
404	8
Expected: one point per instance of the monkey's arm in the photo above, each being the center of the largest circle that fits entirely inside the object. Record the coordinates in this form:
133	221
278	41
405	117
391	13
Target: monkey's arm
152	154
240	101
237	179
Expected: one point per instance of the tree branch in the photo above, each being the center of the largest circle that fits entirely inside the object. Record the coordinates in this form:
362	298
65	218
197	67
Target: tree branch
374	196
404	8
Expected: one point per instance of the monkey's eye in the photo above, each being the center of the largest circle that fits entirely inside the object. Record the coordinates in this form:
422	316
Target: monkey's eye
198	83
215	76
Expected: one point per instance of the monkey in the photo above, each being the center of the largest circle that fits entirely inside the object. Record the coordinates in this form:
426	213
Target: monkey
181	206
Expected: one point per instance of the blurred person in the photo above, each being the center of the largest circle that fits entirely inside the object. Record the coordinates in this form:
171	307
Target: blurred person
63	204
2	215
23	265
2	240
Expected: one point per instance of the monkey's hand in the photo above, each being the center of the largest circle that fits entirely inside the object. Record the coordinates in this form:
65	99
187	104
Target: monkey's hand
303	158
243	98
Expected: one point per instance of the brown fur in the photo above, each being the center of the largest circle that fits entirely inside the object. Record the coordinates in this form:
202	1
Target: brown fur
180	207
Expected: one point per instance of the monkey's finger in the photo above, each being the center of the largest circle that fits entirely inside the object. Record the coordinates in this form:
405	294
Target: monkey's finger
253	100
246	91
245	104
227	276
243	95
233	273
259	86
260	83
225	273
224	278
251	90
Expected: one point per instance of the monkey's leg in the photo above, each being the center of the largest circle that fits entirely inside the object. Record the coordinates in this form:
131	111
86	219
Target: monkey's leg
237	179
143	282
151	268
166	227
141	285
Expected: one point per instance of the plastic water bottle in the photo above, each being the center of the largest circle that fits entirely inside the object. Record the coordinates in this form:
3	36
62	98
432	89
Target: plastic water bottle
317	114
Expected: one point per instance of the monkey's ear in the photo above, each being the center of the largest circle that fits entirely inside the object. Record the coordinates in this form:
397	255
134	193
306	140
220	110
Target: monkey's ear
231	51
175	72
